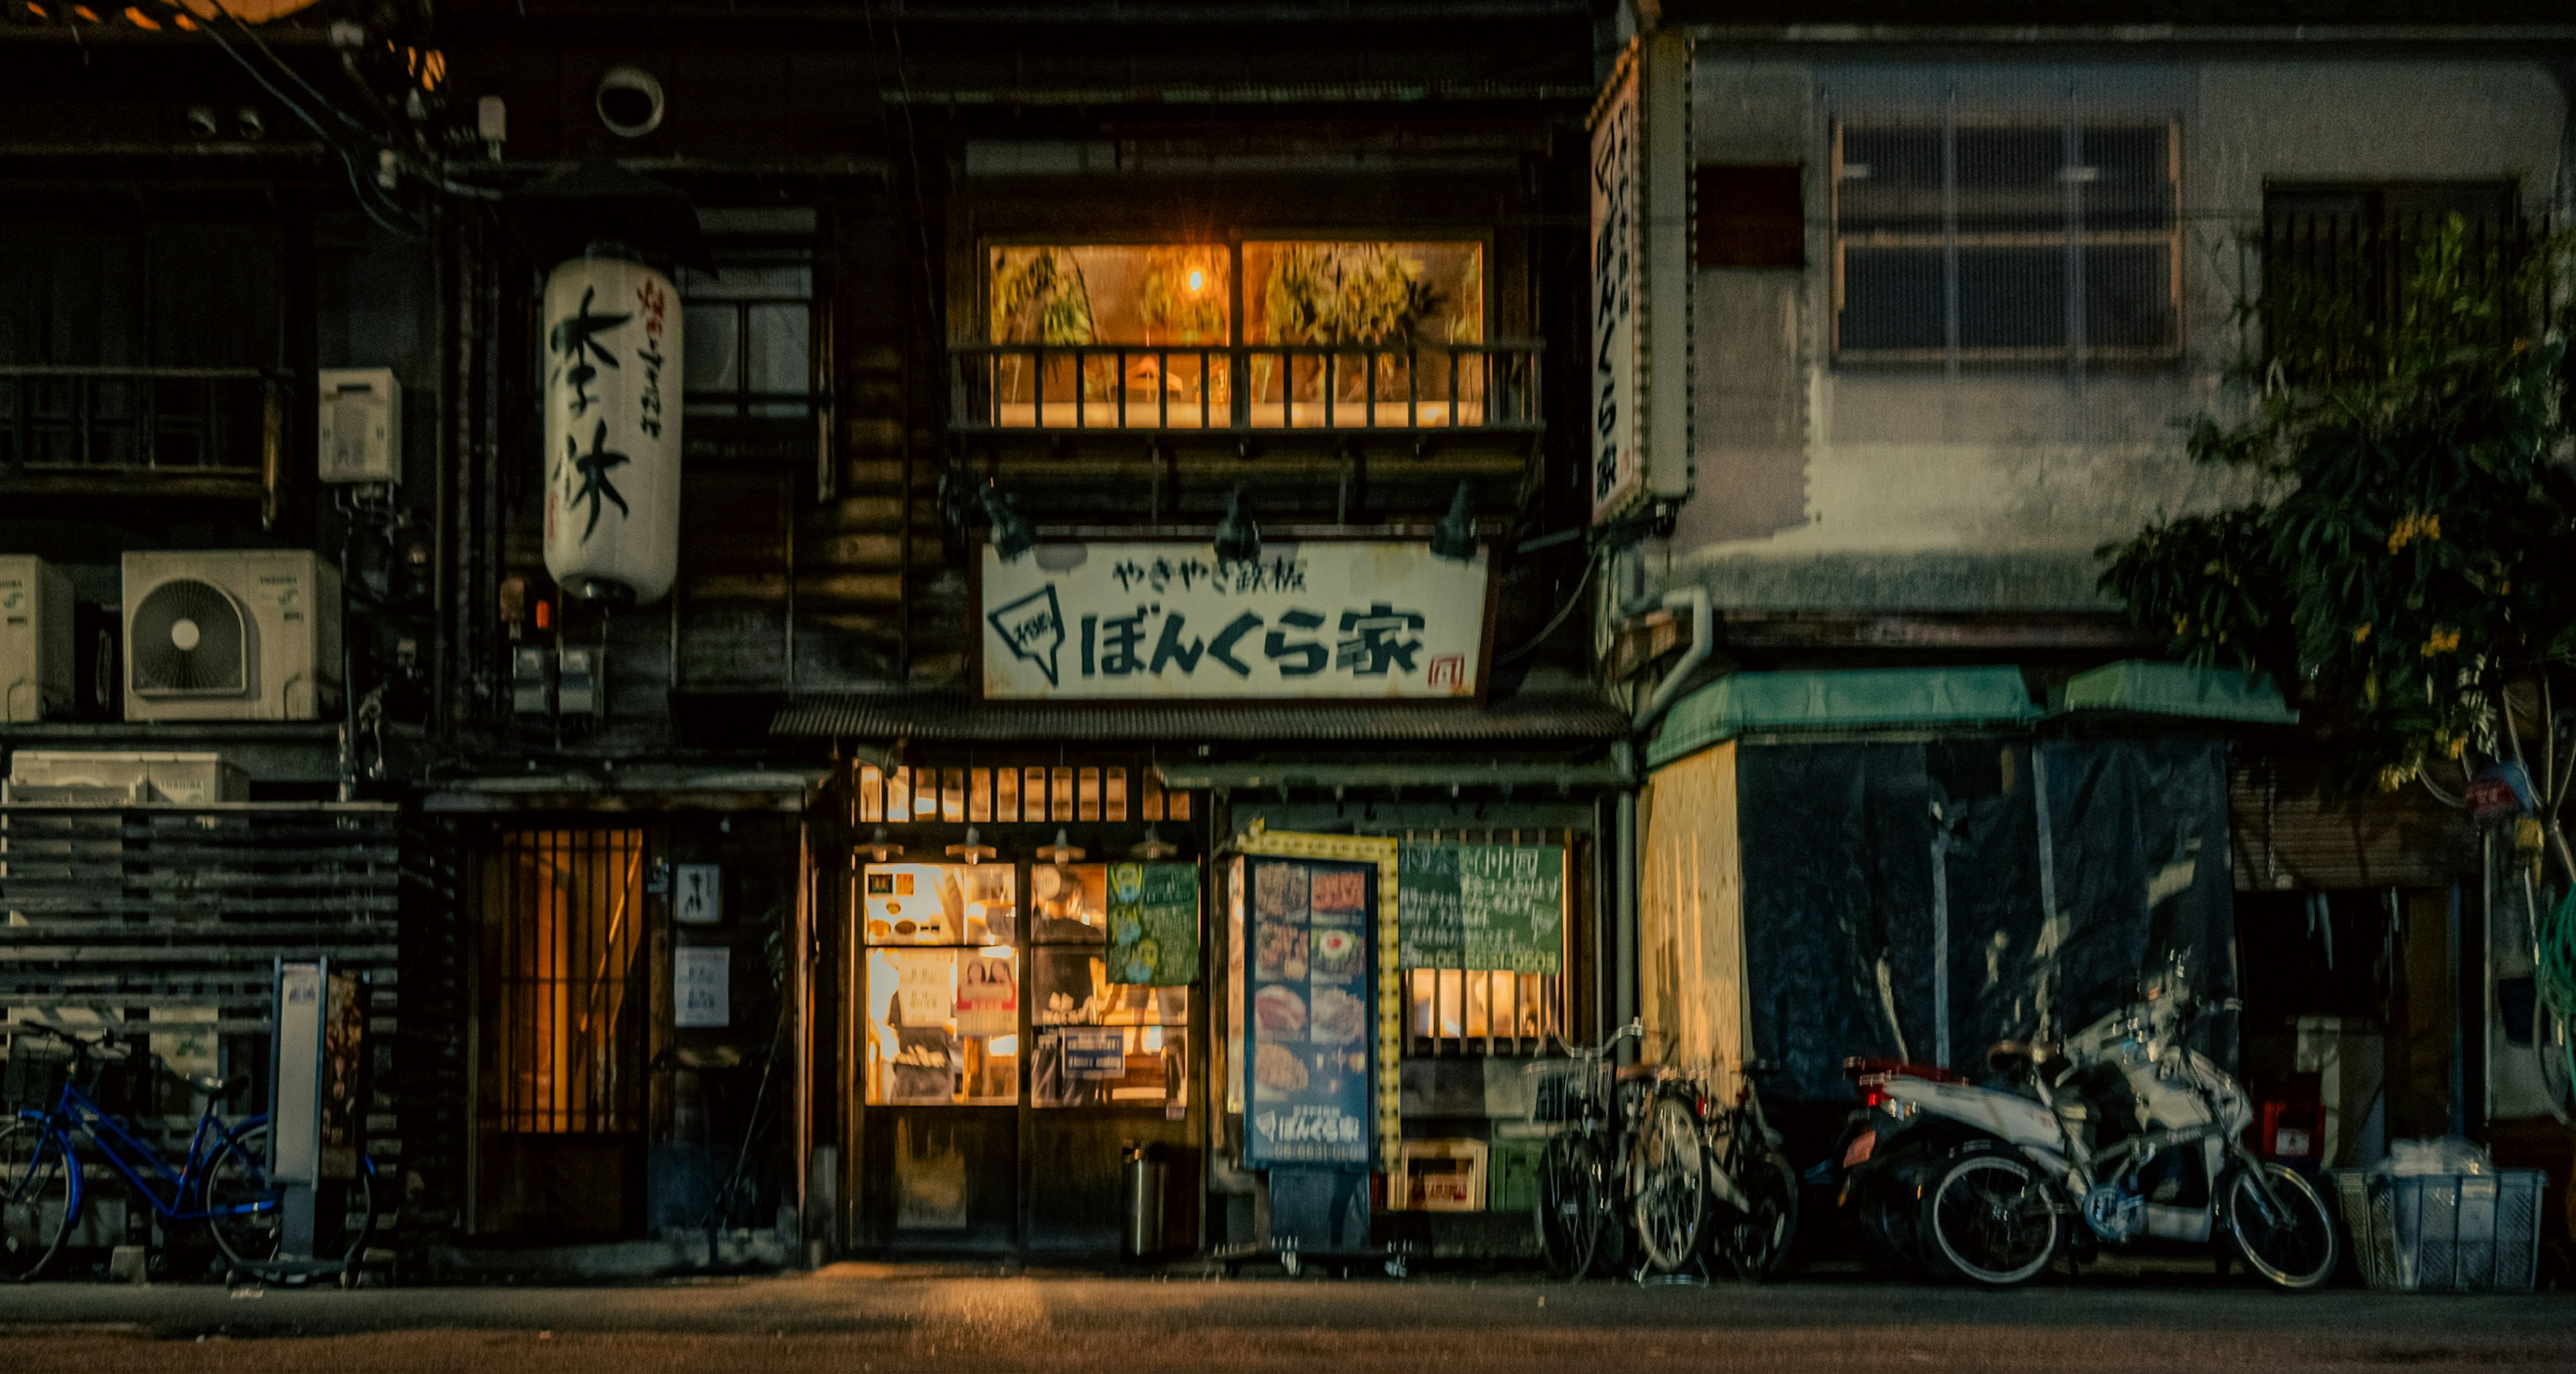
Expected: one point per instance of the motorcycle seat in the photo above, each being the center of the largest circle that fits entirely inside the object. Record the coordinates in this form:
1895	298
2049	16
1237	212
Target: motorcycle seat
2014	1054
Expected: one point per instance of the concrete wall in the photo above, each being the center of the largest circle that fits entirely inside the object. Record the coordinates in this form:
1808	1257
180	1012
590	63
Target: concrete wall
1884	487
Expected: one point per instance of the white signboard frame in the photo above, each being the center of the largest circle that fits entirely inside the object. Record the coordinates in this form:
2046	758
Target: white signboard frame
1618	288
1309	620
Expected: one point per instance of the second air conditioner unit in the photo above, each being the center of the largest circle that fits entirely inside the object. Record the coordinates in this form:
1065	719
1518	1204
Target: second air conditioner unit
35	640
231	635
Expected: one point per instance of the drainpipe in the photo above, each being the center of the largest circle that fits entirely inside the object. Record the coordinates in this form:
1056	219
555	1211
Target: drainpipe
1703	626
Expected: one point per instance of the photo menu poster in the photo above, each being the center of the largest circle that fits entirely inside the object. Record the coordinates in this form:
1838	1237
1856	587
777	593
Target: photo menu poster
1309	987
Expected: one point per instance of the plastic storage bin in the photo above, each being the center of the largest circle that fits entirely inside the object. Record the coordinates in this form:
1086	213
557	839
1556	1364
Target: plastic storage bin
2444	1233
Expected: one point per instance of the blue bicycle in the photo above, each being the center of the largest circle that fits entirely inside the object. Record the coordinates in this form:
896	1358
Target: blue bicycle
45	1176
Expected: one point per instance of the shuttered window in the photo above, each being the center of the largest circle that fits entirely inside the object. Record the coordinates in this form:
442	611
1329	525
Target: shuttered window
2048	243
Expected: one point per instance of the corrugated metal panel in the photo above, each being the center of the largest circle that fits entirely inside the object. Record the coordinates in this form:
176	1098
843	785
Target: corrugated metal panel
1561	719
2293	830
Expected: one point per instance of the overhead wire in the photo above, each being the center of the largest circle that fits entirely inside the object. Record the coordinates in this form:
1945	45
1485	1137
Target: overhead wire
388	213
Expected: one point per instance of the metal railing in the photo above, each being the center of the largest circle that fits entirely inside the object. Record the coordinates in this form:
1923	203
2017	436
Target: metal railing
1246	387
2336	285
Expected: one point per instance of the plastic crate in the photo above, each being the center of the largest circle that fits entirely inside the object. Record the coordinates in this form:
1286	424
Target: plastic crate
1511	1174
1438	1176
2444	1233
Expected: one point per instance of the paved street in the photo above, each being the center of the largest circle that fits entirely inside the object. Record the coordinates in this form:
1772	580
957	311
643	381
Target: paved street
860	1319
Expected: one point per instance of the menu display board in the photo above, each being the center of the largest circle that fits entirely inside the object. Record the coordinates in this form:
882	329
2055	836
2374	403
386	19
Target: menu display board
1489	907
1309	987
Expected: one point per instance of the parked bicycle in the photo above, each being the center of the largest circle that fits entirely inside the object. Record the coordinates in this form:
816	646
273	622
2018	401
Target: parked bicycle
1649	1151
1583	1170
1713	1189
50	1160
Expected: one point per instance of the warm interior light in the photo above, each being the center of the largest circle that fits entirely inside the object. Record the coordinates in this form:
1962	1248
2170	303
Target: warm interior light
85	12
37	10
134	15
1198	280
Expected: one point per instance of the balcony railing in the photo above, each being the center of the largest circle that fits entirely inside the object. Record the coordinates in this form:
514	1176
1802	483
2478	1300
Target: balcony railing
1250	388
63	423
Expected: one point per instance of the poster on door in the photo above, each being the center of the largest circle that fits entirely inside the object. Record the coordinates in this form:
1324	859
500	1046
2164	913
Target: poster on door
701	986
1310	986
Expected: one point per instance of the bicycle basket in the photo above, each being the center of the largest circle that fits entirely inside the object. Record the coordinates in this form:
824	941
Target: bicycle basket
1568	1091
35	1073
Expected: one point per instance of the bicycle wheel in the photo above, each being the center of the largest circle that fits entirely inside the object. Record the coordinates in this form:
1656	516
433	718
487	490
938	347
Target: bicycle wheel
1570	1204
1988	1219
35	1198
242	1206
2292	1246
1669	1175
1756	1242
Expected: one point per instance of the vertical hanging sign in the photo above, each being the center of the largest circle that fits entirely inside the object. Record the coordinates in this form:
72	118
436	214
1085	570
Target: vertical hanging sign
1618	257
612	350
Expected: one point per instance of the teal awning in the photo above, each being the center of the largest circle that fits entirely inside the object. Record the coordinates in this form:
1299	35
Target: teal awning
2177	689
1888	698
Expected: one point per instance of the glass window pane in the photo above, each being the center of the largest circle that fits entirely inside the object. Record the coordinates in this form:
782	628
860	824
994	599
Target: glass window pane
942	1026
1113	795
713	347
1113	1066
1033	795
979	794
1087	803
1060	804
1892	298
952	796
1069	903
1159	294
1006	794
1153	795
871	793
1363	293
2012	298
898	796
939	904
1177	805
778	357
1891	180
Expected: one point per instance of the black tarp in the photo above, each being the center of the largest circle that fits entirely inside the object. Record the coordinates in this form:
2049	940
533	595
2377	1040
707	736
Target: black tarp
1856	854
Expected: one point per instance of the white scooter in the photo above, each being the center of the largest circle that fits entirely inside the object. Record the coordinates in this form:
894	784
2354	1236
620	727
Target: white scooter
2126	1136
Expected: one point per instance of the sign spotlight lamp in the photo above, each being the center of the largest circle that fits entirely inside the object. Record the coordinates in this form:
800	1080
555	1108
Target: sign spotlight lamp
1454	538
1238	538
1011	534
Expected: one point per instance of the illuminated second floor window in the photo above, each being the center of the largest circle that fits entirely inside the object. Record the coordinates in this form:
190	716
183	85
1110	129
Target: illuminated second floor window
1264	333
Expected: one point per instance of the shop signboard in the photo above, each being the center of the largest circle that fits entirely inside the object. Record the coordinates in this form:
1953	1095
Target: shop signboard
1641	369
1154	924
1324	619
1491	907
1309	990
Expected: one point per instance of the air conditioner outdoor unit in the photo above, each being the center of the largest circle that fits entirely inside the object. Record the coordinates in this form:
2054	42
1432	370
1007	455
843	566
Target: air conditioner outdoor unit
67	775
35	639
231	635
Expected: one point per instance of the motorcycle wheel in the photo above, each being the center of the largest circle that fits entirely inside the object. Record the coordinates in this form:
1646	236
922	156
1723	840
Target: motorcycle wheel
1756	1243
1572	1206
1890	1204
2293	1247
1987	1218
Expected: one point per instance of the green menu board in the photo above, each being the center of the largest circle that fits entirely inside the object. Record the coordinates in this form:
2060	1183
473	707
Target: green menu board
1154	924
1481	906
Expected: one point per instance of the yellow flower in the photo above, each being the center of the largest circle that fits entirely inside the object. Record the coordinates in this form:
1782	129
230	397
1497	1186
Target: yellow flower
2393	777
2442	642
2454	745
2182	625
2412	527
2361	633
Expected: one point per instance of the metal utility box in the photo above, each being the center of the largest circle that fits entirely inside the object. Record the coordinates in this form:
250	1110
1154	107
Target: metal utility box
359	429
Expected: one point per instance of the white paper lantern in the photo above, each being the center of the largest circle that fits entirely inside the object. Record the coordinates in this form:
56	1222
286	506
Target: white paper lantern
612	359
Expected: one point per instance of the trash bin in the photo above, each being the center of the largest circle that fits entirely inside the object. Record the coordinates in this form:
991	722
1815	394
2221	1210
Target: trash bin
1147	1178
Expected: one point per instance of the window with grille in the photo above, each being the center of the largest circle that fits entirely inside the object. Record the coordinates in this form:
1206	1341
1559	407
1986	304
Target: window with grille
750	332
2049	243
1492	1012
2338	261
567	1006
